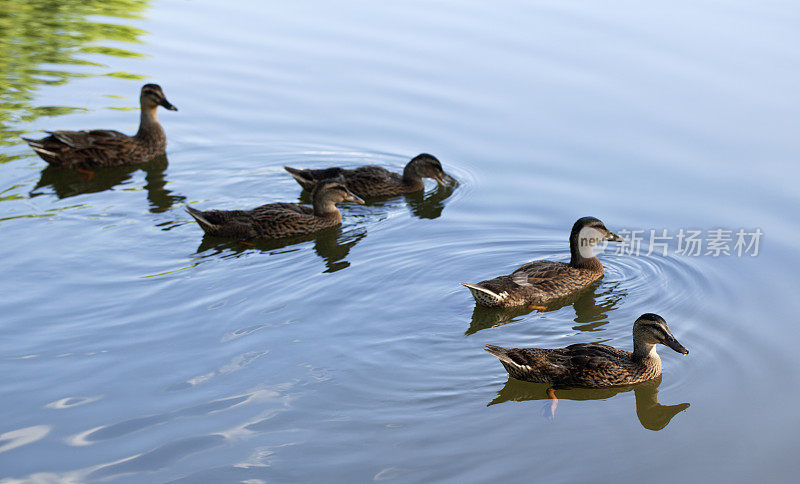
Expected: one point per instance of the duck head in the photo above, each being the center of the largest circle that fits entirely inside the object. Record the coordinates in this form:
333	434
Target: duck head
153	96
649	330
327	193
427	166
588	232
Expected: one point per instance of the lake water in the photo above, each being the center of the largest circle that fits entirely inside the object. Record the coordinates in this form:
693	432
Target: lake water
134	350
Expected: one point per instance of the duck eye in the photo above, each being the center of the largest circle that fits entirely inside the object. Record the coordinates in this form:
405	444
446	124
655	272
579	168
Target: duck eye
659	331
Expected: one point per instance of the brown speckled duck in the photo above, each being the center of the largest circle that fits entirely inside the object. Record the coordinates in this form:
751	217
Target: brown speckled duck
277	220
593	365
541	281
375	181
85	150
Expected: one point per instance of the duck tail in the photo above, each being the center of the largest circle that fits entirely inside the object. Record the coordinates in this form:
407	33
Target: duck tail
303	177
39	148
32	142
483	296
203	222
501	354
516	369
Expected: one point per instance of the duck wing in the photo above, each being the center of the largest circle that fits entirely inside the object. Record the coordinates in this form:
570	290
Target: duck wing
553	279
291	207
271	221
373	181
528	283
540	271
366	181
82	148
225	223
581	365
80	140
277	220
532	364
595	365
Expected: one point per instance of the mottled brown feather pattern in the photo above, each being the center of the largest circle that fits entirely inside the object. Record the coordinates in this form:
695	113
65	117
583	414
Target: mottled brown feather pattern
366	181
375	181
547	280
579	365
97	148
271	221
281	219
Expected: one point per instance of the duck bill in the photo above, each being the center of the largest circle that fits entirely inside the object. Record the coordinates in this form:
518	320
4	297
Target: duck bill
445	179
611	236
352	198
168	105
673	343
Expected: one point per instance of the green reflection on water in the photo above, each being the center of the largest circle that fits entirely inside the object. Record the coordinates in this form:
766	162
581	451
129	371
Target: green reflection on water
46	42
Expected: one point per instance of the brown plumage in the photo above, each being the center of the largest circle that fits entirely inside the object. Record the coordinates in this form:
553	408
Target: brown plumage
375	181
277	220
593	365
541	281
99	147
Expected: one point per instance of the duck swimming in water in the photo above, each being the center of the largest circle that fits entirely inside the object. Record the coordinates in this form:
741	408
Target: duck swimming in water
277	220
375	181
538	282
86	150
593	365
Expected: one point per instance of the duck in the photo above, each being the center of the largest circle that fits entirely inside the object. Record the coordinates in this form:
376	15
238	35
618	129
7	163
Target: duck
375	181
89	149
593	365
538	282
279	220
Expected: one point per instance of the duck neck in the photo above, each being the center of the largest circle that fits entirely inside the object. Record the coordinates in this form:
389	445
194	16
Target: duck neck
325	207
148	122
577	260
410	176
644	351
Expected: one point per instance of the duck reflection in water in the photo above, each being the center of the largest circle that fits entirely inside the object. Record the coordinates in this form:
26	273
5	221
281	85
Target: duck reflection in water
332	245
432	204
652	415
591	307
69	183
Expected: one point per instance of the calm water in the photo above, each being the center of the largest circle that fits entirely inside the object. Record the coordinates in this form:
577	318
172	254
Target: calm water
134	350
